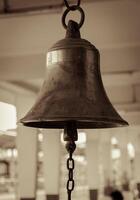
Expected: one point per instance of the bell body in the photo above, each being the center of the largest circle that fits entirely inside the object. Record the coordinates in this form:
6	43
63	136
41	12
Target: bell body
73	90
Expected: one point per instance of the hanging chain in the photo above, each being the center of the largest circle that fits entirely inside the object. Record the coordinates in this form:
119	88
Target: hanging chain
70	136
73	8
69	7
70	166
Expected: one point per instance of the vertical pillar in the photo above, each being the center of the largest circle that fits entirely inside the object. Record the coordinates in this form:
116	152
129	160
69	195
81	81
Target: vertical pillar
125	161
92	167
125	169
27	153
51	149
137	158
106	162
137	171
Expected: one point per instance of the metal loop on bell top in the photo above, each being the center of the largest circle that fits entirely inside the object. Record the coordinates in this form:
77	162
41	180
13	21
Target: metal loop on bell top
73	8
68	6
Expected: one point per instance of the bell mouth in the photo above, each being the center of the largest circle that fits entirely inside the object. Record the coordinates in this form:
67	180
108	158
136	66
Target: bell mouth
81	124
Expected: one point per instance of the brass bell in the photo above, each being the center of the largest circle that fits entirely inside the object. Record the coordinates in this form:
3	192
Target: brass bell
73	90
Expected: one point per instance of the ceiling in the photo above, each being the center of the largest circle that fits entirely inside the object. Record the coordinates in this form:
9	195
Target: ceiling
22	6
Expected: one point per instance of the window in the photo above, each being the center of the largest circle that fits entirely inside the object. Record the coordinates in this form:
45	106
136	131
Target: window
8	116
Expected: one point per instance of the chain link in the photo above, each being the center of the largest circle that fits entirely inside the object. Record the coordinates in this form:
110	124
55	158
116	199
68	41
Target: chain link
69	7
70	167
73	7
70	135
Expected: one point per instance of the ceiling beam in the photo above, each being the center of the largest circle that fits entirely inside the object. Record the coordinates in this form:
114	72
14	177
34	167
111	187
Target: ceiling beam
32	66
22	67
120	59
128	107
16	87
107	24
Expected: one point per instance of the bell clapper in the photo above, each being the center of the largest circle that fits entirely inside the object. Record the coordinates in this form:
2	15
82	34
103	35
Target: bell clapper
70	136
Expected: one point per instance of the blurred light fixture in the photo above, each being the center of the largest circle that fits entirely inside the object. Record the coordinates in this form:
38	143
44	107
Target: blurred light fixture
40	137
81	138
116	153
9	153
131	150
40	154
114	141
73	95
15	153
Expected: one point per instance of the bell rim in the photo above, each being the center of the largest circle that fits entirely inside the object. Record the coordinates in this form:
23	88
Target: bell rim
85	123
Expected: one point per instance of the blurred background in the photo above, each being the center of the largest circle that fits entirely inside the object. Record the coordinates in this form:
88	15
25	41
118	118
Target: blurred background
33	162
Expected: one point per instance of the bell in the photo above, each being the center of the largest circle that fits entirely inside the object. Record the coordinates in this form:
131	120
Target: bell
73	90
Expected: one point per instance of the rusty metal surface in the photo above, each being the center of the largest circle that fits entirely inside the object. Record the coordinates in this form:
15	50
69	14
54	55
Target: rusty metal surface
73	89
